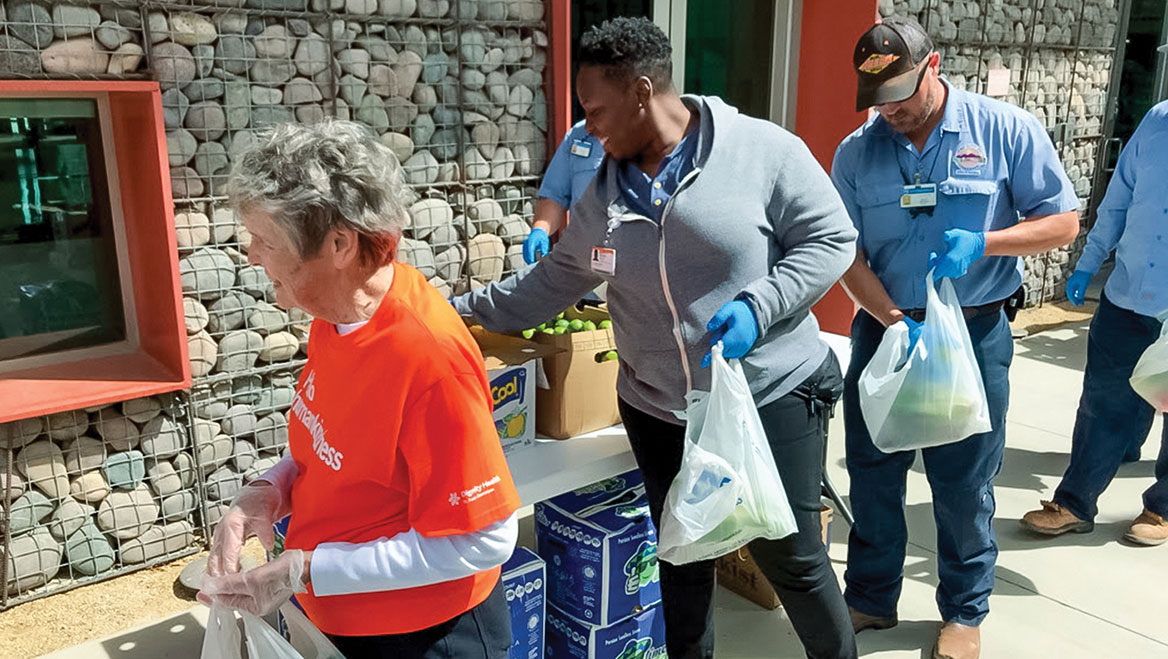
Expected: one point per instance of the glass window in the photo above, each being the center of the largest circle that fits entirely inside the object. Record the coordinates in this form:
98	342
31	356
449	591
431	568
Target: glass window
59	282
728	52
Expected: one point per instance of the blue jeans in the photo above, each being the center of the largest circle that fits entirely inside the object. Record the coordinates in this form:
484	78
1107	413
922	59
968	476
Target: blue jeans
1111	416
961	477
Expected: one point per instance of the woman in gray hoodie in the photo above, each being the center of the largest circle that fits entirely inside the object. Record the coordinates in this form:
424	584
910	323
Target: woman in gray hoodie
707	225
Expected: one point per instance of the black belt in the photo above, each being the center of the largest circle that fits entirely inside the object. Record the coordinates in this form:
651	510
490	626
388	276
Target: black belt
969	312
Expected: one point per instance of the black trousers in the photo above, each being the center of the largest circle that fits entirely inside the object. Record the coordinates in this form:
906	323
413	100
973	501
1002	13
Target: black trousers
483	632
797	565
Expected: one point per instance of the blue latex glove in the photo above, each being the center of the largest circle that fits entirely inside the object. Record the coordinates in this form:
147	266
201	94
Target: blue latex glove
736	327
914	332
962	248
537	244
1077	287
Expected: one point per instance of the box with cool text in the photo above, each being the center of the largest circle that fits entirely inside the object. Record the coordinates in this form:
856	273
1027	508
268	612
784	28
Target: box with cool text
640	637
601	550
523	586
511	370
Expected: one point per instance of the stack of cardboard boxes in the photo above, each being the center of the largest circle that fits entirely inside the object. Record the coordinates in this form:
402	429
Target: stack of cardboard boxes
603	582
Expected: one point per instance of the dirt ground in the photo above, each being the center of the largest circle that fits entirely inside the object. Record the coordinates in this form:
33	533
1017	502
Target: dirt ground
96	611
99	610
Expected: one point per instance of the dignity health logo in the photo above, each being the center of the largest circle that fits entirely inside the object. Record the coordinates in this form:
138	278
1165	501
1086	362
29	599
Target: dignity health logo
329	455
474	493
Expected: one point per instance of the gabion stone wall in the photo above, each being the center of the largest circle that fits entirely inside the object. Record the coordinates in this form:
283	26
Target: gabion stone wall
1060	55
455	88
92	493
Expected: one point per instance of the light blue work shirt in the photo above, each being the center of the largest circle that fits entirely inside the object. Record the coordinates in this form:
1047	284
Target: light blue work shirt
1133	220
648	195
992	163
572	169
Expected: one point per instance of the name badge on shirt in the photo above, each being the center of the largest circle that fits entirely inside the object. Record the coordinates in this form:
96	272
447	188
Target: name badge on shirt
581	148
923	195
604	260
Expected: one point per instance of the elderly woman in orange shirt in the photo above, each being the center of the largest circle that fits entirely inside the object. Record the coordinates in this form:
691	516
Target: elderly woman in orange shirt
403	506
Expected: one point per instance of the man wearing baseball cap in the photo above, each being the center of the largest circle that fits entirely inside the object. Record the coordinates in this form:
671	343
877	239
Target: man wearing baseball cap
939	182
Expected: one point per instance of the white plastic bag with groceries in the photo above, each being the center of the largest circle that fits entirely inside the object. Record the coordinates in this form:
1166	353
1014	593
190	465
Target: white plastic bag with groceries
1150	377
933	395
728	491
223	639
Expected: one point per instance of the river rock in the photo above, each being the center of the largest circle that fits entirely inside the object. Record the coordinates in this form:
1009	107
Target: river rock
17	434
89	488
70	517
124	471
88	551
84	454
158	541
43	464
223	484
33	560
207	273
162	438
127	515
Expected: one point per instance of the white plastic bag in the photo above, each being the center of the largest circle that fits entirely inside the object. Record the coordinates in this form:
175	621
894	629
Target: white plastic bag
933	396
223	639
1150	377
728	491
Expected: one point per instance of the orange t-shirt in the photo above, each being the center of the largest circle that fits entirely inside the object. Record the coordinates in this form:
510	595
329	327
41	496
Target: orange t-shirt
391	429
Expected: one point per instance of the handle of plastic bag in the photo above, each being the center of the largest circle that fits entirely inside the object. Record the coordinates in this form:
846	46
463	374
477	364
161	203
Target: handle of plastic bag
222	639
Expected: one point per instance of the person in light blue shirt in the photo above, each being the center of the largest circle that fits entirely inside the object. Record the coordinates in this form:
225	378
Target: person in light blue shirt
945	183
1113	421
568	174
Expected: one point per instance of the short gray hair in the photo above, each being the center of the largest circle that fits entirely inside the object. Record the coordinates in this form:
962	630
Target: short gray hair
317	177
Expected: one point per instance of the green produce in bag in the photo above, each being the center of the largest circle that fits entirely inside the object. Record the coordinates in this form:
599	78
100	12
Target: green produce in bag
932	395
728	491
1149	379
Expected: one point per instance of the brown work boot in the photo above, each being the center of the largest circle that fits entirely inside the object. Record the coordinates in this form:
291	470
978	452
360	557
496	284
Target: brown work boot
957	641
1148	529
1053	519
862	621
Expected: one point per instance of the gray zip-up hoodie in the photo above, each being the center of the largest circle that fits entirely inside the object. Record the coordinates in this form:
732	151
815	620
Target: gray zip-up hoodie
757	220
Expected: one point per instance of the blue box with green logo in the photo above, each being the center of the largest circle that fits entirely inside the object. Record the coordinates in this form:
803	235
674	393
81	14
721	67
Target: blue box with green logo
639	637
524	577
601	550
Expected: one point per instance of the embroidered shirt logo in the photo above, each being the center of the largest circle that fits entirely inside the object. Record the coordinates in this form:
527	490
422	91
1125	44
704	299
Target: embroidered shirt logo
877	62
969	156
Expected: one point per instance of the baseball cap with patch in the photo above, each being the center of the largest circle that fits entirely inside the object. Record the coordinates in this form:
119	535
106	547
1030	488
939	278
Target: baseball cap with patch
890	61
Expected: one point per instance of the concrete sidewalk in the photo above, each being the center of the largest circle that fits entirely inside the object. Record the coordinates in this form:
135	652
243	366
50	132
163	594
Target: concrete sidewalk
1078	597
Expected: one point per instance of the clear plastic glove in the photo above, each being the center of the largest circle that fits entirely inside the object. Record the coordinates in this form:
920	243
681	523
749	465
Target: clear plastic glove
736	327
962	248
259	591
914	332
1077	287
252	513
536	245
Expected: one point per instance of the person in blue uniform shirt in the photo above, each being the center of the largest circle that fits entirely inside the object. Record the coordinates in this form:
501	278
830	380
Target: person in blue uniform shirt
941	181
1113	421
567	177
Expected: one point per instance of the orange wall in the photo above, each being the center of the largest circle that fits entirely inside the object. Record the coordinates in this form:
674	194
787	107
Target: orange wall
825	109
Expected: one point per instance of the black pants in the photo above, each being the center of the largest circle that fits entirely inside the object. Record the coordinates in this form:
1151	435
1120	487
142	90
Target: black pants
483	632
797	565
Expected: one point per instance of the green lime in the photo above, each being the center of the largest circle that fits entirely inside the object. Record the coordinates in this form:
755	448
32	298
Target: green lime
528	333
562	323
610	355
548	330
605	324
560	316
576	325
589	326
541	327
560	330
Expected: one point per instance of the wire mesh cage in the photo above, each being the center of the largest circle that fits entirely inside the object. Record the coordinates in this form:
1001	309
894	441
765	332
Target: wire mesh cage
239	430
90	494
42	40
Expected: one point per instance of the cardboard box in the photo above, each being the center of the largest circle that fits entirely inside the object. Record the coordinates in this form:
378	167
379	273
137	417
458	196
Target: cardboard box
524	576
738	573
601	550
639	637
581	393
511	369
